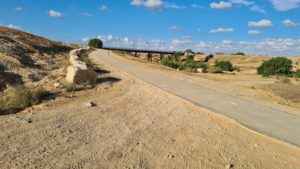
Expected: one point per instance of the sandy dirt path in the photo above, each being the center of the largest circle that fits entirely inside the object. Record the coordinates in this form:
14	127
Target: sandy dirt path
134	125
267	120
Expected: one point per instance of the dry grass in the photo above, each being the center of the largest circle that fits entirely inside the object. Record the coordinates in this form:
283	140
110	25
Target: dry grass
21	97
286	91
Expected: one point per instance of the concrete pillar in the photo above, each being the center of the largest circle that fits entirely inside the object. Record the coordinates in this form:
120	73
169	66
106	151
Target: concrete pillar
161	56
149	56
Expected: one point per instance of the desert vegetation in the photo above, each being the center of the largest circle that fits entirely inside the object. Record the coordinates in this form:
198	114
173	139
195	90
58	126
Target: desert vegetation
20	97
188	64
239	53
297	73
192	63
279	66
225	65
95	43
84	56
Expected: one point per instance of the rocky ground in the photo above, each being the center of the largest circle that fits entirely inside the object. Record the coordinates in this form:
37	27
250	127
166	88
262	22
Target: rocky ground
133	125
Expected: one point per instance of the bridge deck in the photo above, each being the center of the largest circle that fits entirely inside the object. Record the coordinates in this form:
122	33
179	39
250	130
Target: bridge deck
139	50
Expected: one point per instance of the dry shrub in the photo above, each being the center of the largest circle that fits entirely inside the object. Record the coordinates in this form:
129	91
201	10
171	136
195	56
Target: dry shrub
214	69
20	97
283	80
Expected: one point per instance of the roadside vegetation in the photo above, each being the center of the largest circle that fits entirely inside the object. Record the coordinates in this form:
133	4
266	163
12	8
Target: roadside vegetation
95	43
84	56
188	65
20	97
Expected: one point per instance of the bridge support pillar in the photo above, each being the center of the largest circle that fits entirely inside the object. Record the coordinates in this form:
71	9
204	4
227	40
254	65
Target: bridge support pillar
149	56
161	56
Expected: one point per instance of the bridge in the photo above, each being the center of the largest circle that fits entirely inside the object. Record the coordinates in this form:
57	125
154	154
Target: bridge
136	51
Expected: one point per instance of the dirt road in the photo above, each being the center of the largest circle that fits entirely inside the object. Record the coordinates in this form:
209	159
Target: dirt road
276	123
133	125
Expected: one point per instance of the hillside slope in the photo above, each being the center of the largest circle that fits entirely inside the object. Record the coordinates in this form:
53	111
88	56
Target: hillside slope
26	57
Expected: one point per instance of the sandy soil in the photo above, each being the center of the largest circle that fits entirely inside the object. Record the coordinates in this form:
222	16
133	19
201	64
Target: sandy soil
246	84
133	125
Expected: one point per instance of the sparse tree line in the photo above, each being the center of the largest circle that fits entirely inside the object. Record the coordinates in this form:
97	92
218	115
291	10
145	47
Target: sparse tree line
278	66
186	61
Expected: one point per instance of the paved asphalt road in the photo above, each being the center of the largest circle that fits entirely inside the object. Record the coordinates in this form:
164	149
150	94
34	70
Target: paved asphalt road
266	120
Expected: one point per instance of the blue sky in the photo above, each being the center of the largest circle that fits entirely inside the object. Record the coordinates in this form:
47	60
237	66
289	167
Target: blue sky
265	27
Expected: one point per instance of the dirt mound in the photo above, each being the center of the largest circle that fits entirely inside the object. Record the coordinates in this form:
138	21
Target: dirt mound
22	54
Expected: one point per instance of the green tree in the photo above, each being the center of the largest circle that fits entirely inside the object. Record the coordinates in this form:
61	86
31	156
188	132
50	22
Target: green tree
240	53
276	66
189	51
95	43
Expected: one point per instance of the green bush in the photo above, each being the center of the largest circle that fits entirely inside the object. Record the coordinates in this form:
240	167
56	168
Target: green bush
173	63
20	97
177	54
189	51
95	43
190	63
297	74
276	66
224	65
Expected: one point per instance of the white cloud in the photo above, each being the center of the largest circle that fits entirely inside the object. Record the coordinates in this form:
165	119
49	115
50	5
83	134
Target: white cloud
155	4
253	32
18	9
221	30
85	40
174	6
103	8
15	27
175	28
137	2
181	43
202	44
55	14
220	5
290	23
227	42
242	2
86	14
151	4
197	6
272	47
256	8
285	5
250	4
261	23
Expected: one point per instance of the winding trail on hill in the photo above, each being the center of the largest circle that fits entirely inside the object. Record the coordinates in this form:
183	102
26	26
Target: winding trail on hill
266	120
